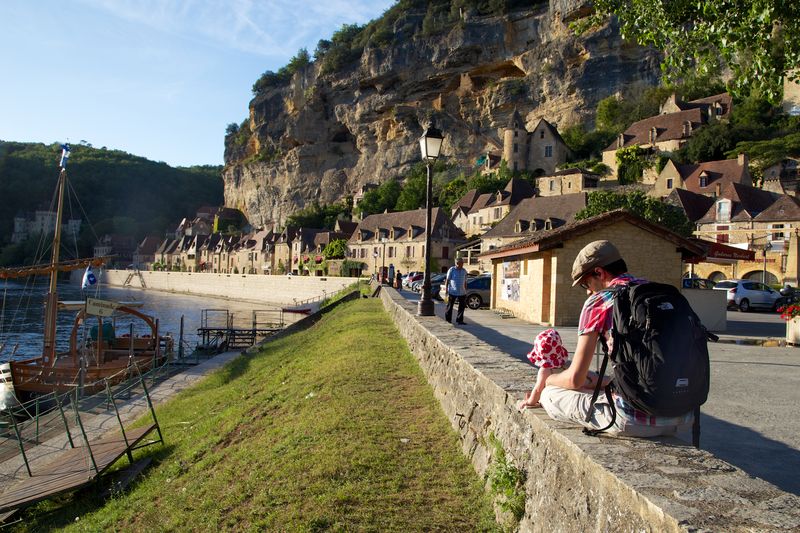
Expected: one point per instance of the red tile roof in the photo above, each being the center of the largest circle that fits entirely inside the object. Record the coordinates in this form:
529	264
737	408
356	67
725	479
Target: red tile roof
668	127
717	173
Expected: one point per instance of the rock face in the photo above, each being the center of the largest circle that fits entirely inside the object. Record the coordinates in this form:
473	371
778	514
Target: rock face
320	138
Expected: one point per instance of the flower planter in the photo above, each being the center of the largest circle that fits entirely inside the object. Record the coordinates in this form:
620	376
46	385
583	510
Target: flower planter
793	331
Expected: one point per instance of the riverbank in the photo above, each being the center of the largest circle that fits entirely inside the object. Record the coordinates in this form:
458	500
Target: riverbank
319	429
281	290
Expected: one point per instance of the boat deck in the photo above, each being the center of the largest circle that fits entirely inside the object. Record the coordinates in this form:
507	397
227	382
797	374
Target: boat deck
73	469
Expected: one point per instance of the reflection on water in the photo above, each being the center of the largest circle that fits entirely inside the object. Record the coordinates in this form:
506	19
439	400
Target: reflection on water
22	311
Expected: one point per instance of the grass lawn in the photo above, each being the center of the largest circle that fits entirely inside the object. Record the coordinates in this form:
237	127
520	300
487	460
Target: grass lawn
332	428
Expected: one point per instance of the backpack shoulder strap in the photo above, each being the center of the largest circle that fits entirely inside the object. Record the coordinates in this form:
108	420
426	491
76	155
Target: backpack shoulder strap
616	290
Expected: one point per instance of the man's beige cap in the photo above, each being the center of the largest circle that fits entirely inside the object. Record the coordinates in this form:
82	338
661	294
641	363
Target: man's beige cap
595	254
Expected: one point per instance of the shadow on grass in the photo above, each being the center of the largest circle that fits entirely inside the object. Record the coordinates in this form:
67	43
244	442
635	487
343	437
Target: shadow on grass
65	509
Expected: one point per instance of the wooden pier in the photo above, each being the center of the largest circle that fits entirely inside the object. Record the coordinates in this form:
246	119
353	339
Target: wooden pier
75	468
219	330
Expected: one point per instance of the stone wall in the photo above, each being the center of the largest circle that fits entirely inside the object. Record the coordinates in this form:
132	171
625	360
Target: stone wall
273	289
576	482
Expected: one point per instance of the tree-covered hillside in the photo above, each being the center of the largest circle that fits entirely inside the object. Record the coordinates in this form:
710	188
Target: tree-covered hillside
119	192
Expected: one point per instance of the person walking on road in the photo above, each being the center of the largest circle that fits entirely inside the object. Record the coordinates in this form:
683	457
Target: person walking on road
456	283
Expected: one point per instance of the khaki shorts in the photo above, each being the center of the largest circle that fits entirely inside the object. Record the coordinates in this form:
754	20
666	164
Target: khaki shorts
566	405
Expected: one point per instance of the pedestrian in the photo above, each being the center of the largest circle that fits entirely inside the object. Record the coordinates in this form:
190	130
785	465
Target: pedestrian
398	281
599	269
456	283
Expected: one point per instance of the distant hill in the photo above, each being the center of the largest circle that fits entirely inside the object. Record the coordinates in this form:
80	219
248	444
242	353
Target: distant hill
120	192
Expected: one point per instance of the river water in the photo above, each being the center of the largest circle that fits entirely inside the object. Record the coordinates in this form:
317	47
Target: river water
22	311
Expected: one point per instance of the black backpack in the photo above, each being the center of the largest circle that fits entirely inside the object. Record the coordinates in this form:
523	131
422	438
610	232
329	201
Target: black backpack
660	354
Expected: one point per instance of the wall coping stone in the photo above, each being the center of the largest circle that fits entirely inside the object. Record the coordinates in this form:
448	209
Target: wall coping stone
576	482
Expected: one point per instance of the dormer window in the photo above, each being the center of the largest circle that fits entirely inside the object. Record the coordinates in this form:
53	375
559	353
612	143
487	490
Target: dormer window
687	129
723	210
621	140
653	135
548	224
704	180
522	225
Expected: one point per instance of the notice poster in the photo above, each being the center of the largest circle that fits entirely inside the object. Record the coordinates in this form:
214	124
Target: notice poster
510	285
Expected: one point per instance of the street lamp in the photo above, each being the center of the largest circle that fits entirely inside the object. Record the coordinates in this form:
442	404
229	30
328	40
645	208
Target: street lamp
383	258
767	248
430	143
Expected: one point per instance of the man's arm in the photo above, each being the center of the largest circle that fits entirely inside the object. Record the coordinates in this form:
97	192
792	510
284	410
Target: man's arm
575	376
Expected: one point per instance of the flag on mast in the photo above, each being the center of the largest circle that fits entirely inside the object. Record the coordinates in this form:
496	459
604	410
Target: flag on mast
64	155
88	278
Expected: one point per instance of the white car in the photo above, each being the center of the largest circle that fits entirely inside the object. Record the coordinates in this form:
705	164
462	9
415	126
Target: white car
745	294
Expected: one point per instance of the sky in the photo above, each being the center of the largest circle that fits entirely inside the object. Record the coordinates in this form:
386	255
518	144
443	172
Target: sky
159	79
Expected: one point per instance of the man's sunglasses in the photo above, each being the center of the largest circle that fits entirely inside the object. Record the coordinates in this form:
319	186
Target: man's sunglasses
582	284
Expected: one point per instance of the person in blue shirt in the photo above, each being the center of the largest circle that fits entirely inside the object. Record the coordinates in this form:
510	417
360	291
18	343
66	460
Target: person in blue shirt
456	283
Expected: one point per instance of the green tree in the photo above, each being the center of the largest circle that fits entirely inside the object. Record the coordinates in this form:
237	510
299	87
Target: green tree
336	249
756	39
637	202
383	198
631	164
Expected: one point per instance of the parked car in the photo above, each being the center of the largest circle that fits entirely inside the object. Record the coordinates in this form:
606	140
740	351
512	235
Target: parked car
744	294
697	283
478	291
411	278
436	280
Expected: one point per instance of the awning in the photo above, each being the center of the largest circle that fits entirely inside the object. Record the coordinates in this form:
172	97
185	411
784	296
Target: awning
717	252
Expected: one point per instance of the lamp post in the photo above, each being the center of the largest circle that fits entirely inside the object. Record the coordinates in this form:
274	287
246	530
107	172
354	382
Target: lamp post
767	248
430	143
383	258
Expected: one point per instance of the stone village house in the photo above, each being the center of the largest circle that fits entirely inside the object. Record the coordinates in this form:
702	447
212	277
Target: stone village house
751	219
398	239
531	277
706	178
538	151
669	131
532	215
490	208
567	181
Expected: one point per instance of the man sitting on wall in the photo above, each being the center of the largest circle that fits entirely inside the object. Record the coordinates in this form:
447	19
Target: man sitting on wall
567	397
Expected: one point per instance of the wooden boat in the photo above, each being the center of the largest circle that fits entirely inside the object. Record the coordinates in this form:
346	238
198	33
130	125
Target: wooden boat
300	309
88	363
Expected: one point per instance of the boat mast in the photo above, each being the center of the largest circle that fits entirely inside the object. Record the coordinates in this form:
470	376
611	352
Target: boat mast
51	304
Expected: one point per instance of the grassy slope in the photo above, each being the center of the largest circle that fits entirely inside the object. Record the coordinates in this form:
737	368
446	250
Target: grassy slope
331	428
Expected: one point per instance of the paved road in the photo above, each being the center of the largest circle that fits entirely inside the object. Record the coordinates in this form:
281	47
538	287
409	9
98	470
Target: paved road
758	324
751	418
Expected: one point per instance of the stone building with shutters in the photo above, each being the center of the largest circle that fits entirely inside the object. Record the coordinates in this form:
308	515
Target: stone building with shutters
398	239
539	151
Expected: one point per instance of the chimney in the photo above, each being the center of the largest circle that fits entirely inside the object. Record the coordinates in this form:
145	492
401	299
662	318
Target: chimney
742	159
717	190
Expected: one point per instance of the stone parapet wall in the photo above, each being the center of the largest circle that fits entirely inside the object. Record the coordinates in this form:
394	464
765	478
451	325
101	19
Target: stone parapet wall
576	482
260	288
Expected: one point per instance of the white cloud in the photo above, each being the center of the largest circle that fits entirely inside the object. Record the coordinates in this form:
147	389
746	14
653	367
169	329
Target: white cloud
273	28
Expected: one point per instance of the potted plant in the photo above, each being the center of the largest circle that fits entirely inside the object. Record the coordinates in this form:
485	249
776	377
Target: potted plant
791	314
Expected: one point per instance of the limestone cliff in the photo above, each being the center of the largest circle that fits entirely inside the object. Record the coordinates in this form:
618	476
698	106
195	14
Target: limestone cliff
319	138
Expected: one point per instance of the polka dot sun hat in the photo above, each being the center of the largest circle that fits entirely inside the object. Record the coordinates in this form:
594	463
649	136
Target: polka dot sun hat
548	351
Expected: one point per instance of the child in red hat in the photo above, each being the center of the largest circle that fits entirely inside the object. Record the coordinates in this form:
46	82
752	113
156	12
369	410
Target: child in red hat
548	353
